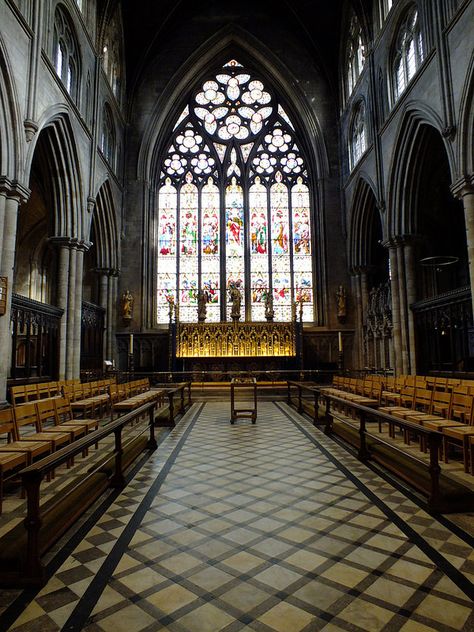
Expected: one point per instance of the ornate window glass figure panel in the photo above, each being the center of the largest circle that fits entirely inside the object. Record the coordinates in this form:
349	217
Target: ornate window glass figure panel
302	261
234	239
210	252
65	52
408	54
233	205
280	244
188	249
167	240
259	264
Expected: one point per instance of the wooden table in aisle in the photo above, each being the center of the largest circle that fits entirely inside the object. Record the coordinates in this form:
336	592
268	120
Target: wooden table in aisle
249	383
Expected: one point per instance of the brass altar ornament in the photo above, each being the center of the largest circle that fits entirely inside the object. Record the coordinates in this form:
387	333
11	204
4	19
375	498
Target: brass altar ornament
233	339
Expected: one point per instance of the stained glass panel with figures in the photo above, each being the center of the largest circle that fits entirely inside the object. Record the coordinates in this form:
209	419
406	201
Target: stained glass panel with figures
234	204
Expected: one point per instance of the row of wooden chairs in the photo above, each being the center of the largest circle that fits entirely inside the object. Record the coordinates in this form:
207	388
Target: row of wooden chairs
34	430
448	409
451	413
73	389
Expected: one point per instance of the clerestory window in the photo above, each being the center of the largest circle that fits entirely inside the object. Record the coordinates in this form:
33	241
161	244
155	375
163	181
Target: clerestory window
65	53
355	56
234	204
358	134
408	54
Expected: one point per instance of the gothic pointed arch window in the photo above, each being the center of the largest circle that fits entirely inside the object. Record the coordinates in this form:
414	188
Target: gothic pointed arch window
408	52
65	52
355	55
358	134
234	204
108	139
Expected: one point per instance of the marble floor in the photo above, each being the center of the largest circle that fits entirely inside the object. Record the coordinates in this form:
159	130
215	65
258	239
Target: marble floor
265	527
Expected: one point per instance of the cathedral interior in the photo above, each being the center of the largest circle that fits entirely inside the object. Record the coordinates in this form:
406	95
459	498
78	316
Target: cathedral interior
261	214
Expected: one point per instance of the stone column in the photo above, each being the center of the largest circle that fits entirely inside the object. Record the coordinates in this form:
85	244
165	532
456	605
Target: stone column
113	315
397	343
11	195
359	317
3	201
107	293
71	305
82	247
410	277
464	190
63	245
402	297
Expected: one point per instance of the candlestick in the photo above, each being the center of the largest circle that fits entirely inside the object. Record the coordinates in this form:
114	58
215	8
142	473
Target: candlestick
130	346
339	341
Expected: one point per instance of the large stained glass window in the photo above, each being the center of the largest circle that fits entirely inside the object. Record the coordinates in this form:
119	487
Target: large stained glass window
233	205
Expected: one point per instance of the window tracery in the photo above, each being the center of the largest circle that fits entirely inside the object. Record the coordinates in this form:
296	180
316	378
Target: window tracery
234	204
355	55
108	143
112	54
408	52
65	53
358	134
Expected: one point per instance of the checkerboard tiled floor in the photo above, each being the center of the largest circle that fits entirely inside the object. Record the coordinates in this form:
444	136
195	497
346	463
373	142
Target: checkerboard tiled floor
266	527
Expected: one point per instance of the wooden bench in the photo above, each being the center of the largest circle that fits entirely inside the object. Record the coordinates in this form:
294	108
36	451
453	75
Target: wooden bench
443	494
132	403
22	548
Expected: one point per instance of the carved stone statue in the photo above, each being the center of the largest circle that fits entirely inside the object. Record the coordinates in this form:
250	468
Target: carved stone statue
341	303
127	305
202	306
269	311
236	300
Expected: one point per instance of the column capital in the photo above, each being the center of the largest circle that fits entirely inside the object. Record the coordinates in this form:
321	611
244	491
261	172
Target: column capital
110	272
62	240
392	242
83	245
464	186
13	189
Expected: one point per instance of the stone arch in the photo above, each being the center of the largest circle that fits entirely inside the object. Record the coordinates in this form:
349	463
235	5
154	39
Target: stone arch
466	124
231	42
56	145
409	145
366	232
10	126
105	228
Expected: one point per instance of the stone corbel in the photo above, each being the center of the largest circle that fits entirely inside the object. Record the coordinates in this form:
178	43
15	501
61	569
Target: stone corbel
449	132
30	129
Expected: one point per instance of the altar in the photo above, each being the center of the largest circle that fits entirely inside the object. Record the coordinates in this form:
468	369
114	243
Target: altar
236	340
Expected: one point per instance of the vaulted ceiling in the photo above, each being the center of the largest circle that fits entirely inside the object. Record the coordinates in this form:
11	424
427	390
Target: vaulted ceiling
151	26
